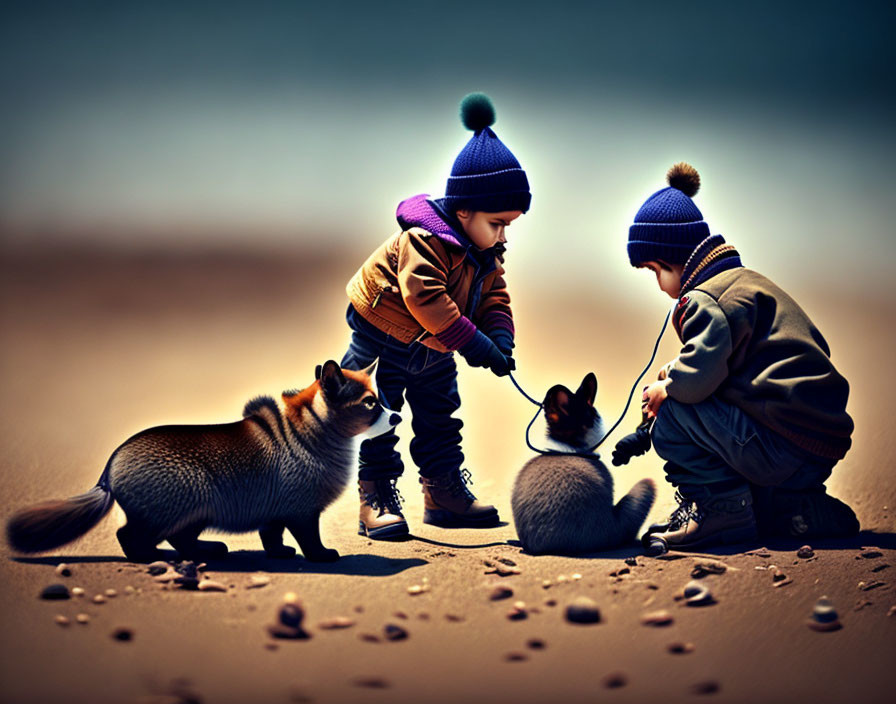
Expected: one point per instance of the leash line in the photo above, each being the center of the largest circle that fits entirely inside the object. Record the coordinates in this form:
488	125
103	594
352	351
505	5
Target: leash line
589	451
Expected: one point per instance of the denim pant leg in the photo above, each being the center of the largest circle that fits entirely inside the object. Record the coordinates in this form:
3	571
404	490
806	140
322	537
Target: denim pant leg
378	458
433	397
712	441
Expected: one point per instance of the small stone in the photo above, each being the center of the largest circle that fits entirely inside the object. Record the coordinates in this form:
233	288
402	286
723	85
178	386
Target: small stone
63	570
657	618
369	637
503	571
615	680
679	648
805	552
518	611
454	618
861	604
168	576
707	687
550	602
62	620
891	611
335	623
777	574
78	591
760	552
111	593
880	568
506	561
123	634
516	657
289	622
394	632
371	682
870	585
871	554
546	584
99	599
271	646
129	589
536	644
256	581
416	589
210	585
423	616
631	561
157	568
582	610
499	592
83	619
705	567
824	616
697	594
55	592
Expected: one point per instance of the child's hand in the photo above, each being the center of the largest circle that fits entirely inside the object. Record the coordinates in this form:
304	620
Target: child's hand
632	445
653	397
503	340
482	352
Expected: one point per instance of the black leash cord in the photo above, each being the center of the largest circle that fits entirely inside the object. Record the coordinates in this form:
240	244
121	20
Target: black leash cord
631	394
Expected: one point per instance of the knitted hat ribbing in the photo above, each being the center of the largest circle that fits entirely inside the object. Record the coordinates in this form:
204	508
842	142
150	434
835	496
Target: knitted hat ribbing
668	226
486	175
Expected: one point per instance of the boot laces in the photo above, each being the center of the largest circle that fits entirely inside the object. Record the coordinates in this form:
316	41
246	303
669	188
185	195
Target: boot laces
457	482
386	497
686	510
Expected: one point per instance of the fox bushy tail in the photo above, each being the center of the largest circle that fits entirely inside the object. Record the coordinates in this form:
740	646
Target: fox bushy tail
53	523
632	509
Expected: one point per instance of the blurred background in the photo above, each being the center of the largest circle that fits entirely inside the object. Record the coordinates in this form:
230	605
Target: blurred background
186	187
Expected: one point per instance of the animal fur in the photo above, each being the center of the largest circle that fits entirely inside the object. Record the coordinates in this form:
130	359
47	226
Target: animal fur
563	504
276	469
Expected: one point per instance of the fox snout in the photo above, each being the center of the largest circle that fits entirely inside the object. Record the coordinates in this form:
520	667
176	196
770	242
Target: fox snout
386	420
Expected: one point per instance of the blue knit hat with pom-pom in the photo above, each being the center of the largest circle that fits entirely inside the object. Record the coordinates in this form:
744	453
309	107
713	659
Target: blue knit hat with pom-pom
669	226
486	176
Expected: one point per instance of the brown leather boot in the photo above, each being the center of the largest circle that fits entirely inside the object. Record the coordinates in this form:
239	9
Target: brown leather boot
720	519
447	502
381	517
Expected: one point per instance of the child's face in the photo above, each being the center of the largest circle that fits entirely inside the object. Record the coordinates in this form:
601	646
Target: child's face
486	229
668	276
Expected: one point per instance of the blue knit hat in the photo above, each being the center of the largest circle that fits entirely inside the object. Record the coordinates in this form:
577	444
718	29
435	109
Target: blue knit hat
485	175
669	226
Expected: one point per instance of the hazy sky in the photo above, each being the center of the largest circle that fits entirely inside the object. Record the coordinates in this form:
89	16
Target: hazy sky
295	119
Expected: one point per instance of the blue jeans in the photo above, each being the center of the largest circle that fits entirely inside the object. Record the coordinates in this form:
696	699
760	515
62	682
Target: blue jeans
428	379
716	443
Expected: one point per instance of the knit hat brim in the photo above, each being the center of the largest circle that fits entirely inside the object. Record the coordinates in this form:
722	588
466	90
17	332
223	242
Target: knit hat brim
669	242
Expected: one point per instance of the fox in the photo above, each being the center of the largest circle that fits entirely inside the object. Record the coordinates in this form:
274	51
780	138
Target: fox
563	503
276	469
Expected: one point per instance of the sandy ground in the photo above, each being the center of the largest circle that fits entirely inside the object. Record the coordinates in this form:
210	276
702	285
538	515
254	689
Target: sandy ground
96	347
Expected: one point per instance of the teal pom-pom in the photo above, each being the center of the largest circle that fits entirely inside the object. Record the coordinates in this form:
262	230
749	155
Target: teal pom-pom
477	111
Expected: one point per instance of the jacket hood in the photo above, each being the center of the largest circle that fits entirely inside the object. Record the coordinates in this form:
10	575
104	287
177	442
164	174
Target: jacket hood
420	211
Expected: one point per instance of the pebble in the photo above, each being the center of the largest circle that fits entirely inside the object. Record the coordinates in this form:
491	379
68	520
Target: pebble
505	561
499	592
546	584
550	602
805	552
416	589
369	637
210	585
760	552
99	599
575	576
83	619
337	622
871	554
157	568
777	574
824	616
63	570
631	561
123	634
454	618
621	571
371	682
111	593
891	611
707	687
582	610
400	614
697	594
516	657
657	618
867	587
55	592
504	571
518	611
615	680
168	576
880	568
393	632
77	591
536	644
680	648
256	581
289	621
62	620
705	567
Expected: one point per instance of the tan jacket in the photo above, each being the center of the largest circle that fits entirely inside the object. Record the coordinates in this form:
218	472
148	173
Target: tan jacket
417	284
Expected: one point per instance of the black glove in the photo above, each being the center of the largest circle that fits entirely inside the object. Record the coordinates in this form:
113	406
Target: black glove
482	352
632	445
503	339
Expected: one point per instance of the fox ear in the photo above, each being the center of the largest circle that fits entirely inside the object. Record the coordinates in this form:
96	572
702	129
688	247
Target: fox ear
331	378
371	370
317	371
588	389
556	402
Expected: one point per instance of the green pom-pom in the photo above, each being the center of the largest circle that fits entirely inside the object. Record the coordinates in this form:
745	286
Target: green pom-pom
477	111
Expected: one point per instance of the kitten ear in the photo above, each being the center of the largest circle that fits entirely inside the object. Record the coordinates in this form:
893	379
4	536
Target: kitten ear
556	402
587	391
331	379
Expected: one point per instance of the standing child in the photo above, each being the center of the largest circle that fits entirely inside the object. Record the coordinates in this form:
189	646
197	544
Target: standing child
433	288
751	418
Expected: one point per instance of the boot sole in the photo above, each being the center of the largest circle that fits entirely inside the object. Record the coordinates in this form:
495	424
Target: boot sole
447	519
732	536
394	530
